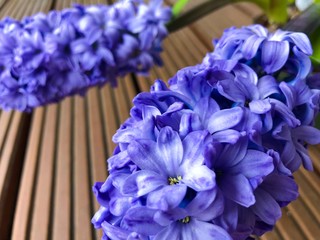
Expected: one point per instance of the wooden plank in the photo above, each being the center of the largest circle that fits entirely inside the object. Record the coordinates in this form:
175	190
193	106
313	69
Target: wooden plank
130	89
97	146
288	229
144	83
250	9
168	64
41	224
82	212
313	179
10	169
121	101
9	9
272	235
96	138
183	52
198	50
315	154
304	219
5	120
109	117
62	218
3	2
310	197
27	185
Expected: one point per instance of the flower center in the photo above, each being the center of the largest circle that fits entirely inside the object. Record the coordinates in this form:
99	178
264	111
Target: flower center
185	220
175	180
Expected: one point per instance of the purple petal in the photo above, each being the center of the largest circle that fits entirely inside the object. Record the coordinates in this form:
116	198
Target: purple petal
120	205
238	189
199	178
255	164
301	41
266	208
230	90
170	149
107	55
245	73
140	220
215	209
232	154
204	230
287	191
114	232
142	182
205	107
201	202
274	55
225	119
143	155
99	217
230	216
302	63
304	156
189	122
168	217
227	136
285	113
260	106
214	76
308	134
251	45
167	197
267	86
289	93
258	30
193	146
118	160
127	135
290	158
171	232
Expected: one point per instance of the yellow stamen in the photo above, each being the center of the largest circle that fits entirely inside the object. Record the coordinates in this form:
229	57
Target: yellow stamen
173	181
185	220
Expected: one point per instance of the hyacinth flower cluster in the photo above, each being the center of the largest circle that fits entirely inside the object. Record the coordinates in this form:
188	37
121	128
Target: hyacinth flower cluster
212	156
45	58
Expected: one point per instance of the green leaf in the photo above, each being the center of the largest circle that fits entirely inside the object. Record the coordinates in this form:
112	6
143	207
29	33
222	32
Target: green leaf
315	42
178	7
276	10
317	124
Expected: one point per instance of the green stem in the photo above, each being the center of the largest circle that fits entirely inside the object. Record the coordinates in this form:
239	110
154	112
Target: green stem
178	7
195	14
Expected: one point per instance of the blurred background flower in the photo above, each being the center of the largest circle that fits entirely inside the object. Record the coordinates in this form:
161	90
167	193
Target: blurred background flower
48	57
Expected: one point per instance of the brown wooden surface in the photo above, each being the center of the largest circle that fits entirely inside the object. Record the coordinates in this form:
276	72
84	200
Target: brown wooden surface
68	143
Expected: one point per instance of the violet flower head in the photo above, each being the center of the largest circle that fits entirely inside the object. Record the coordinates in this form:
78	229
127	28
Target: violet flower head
47	57
267	53
212	155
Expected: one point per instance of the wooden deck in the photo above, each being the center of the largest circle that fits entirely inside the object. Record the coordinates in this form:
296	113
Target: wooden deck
50	159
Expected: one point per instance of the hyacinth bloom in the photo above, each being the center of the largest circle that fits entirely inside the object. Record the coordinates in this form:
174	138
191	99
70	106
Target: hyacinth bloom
212	155
48	57
272	53
169	167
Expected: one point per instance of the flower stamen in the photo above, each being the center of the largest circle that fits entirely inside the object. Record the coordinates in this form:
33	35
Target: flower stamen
185	220
175	180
